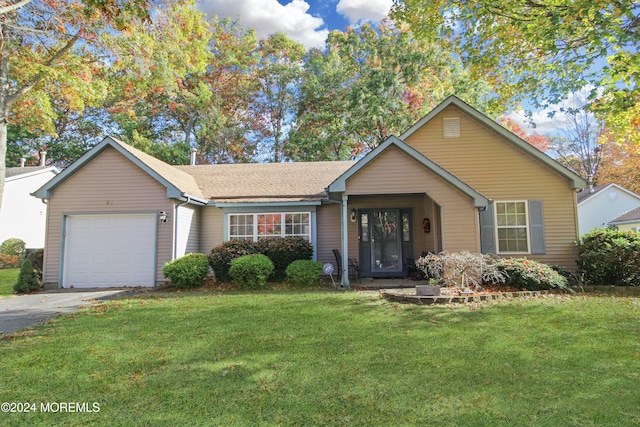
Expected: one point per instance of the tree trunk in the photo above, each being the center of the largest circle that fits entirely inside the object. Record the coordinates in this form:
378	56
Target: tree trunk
5	32
3	154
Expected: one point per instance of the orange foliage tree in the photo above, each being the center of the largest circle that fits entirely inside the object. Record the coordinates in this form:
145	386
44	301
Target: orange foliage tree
620	164
541	142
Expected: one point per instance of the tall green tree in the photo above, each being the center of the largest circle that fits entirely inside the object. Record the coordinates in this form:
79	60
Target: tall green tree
544	50
278	75
47	43
372	83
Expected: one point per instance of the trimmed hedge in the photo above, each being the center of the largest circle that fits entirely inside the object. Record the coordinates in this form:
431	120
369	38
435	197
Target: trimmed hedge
531	275
251	271
304	272
609	257
188	271
282	251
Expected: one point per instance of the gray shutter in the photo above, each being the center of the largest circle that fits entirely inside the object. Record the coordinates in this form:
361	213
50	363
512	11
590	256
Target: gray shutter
536	227
487	230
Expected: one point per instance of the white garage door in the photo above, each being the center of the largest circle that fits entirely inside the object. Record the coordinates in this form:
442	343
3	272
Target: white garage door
109	251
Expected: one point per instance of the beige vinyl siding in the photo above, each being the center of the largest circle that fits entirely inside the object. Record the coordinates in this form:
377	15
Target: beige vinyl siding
212	228
500	171
328	233
188	236
394	172
110	183
629	227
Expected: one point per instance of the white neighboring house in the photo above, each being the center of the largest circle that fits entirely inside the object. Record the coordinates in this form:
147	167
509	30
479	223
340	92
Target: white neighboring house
21	214
601	204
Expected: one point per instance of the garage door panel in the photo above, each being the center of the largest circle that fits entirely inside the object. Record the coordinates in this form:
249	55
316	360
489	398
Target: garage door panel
110	250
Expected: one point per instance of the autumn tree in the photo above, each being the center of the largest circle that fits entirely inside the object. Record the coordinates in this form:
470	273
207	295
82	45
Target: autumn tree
541	142
278	75
372	83
214	105
151	65
49	43
620	164
544	50
579	143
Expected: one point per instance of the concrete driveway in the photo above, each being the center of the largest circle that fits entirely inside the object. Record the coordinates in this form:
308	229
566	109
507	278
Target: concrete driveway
20	312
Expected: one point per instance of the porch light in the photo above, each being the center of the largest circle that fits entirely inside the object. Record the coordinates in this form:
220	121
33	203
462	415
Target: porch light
354	215
162	217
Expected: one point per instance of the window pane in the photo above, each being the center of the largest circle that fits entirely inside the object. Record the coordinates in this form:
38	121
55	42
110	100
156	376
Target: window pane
269	224
512	225
297	225
241	227
265	225
406	235
364	227
512	240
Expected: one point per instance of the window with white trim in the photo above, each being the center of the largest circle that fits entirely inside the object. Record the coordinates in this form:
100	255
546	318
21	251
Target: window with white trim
264	225
512	227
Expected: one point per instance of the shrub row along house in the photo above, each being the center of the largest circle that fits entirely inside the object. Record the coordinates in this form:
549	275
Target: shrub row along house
454	181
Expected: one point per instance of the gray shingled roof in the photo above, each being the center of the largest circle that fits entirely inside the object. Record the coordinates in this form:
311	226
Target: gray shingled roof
586	193
10	172
266	182
631	216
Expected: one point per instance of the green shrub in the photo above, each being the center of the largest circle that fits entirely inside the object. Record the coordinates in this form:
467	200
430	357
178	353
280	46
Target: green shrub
251	271
27	279
531	275
282	251
36	256
285	250
188	271
610	257
221	256
304	272
13	246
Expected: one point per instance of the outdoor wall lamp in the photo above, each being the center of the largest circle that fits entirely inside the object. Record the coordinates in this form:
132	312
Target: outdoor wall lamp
354	215
162	217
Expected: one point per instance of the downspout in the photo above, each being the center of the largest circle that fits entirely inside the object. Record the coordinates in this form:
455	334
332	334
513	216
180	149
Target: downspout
345	242
175	226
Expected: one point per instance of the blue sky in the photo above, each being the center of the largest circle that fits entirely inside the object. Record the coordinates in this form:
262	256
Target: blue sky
307	21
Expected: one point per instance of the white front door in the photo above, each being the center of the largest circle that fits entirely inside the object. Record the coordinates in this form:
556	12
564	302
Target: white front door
109	250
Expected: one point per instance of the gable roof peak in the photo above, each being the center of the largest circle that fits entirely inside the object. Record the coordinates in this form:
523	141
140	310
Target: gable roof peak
577	181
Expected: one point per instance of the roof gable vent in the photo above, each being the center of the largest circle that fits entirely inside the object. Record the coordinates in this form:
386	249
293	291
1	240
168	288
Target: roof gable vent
451	127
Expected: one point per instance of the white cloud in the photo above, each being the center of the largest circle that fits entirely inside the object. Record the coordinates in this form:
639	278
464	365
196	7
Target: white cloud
364	10
269	16
541	122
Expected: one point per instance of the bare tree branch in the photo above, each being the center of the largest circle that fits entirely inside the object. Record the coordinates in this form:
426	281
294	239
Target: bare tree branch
38	77
11	7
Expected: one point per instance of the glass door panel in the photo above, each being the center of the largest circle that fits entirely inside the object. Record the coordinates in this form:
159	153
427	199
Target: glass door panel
386	235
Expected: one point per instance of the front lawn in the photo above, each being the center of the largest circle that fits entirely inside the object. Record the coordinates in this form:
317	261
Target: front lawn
310	358
8	278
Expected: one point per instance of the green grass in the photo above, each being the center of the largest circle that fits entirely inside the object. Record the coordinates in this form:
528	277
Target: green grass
311	358
8	278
